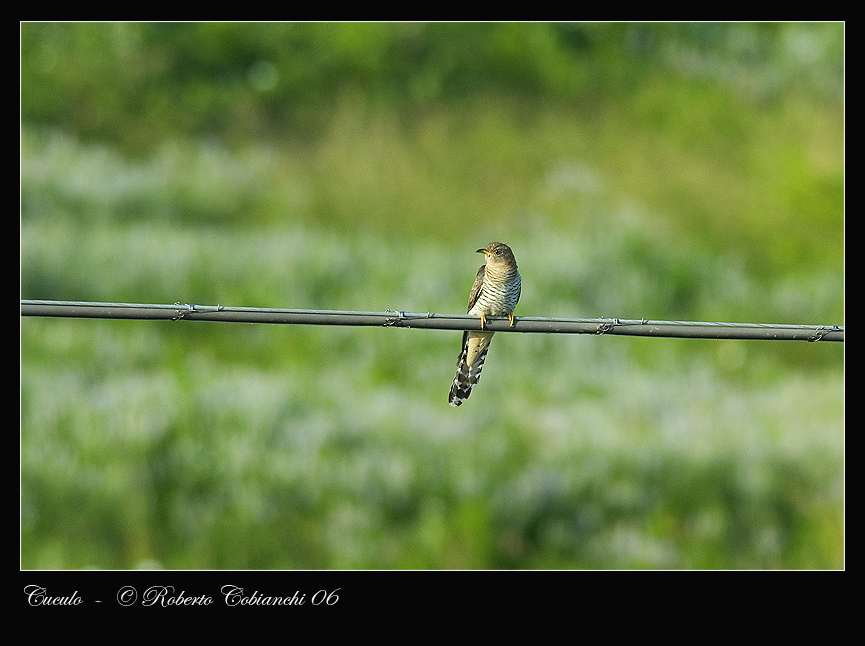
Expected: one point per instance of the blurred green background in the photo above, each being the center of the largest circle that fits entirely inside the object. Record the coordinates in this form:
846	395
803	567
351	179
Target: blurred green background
667	171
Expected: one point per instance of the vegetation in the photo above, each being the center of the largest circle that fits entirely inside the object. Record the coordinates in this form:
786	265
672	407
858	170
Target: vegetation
658	171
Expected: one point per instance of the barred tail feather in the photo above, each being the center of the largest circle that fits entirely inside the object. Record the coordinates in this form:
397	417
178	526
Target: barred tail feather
467	376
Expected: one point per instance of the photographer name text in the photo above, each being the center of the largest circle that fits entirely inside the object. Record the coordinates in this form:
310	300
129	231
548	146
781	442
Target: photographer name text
166	596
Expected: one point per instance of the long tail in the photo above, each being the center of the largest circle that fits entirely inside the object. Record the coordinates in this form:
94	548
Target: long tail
468	374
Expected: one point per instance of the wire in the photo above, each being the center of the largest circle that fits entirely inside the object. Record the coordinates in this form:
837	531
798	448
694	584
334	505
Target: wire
428	320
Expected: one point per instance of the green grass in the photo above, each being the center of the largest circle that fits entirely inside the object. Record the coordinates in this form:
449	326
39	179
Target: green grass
204	445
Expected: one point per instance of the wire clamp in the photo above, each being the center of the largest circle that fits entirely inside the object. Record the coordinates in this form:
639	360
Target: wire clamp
181	313
603	328
822	331
390	321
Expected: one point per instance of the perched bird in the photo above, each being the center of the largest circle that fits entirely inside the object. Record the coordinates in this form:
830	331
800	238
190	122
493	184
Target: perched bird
495	293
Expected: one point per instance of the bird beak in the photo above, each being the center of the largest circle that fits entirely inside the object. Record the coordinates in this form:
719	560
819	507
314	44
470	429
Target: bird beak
481	251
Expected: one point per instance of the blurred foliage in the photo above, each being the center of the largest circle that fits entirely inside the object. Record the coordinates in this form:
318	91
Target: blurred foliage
135	84
737	125
690	171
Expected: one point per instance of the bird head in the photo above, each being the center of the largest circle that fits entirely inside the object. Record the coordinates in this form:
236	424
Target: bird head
498	253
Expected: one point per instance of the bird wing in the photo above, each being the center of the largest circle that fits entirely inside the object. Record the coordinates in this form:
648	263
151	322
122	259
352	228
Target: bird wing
476	288
473	297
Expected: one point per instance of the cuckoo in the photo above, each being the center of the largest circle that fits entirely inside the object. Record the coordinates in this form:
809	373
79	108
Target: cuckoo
495	293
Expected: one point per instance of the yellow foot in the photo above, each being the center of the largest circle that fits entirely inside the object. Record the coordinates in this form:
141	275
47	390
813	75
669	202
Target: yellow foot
483	320
511	319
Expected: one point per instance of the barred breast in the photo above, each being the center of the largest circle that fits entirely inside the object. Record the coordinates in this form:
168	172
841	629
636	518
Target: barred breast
499	294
